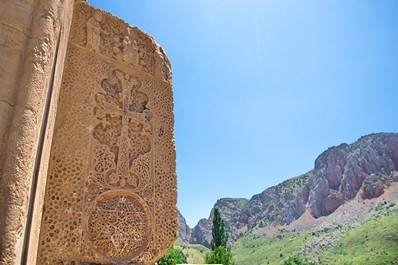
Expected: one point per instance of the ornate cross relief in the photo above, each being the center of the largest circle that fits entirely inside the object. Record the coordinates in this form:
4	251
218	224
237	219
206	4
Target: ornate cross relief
111	186
119	222
123	129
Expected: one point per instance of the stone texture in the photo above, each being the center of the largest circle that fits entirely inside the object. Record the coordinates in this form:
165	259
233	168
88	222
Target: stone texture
99	154
111	187
30	53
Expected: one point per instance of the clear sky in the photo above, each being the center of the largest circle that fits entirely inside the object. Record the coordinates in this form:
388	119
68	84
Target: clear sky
262	87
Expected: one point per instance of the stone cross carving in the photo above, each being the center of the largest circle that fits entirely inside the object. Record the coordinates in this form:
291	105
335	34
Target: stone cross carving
131	107
111	188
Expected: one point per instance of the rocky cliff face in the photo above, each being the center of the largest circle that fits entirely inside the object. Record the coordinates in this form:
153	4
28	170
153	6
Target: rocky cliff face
230	208
184	231
363	169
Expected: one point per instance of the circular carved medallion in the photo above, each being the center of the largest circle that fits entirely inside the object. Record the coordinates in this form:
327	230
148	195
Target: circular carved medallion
119	225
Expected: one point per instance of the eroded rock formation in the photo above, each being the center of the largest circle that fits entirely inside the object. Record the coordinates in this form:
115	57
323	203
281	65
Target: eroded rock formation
363	169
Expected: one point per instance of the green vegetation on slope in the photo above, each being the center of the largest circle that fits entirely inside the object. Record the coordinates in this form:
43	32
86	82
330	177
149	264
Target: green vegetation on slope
295	260
220	255
251	250
374	242
295	185
195	253
173	256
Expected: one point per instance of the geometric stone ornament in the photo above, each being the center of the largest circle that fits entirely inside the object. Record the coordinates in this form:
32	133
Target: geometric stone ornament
111	187
118	225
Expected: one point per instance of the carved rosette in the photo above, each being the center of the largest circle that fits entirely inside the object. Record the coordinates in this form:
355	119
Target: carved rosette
119	225
119	189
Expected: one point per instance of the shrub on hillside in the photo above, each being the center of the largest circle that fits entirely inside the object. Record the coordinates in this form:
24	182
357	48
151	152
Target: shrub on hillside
297	261
172	257
220	255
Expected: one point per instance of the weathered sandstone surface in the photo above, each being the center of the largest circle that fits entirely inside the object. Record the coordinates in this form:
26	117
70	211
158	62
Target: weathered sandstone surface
87	154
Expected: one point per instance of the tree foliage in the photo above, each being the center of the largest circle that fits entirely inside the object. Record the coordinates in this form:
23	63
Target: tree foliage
172	257
220	236
220	255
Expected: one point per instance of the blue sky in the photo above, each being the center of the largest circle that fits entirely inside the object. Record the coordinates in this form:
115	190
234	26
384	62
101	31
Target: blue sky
261	87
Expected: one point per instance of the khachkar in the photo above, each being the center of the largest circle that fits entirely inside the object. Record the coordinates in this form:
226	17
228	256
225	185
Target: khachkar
111	188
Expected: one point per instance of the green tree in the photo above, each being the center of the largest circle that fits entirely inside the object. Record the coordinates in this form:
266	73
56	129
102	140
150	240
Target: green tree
173	256
220	254
220	236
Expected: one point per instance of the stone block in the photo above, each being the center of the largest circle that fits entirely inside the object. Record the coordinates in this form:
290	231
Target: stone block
11	49
17	13
111	192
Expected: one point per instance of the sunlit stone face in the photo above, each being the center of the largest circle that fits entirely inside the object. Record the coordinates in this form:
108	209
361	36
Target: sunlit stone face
111	189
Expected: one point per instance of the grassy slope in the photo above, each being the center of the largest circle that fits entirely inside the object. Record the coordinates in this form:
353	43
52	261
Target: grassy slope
374	242
195	253
253	250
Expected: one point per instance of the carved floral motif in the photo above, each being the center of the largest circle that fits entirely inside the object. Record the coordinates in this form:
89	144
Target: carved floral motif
111	186
123	129
122	140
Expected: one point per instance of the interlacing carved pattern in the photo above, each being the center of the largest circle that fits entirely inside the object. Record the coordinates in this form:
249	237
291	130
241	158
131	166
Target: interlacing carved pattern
111	184
123	130
121	158
118	225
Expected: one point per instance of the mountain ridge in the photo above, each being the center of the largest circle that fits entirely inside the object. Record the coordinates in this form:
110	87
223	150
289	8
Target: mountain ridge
362	170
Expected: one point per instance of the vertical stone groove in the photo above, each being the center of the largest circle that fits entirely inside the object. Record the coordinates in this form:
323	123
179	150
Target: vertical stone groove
39	153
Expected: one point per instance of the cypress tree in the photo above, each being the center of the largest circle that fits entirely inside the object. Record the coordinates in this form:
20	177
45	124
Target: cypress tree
220	254
220	236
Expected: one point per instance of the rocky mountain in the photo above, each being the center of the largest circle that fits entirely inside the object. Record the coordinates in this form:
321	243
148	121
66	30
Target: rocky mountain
184	231
362	170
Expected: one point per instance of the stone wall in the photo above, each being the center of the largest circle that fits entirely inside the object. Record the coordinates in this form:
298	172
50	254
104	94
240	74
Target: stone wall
33	44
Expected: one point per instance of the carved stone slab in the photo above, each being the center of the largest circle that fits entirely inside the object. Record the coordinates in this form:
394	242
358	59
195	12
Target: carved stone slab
111	188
